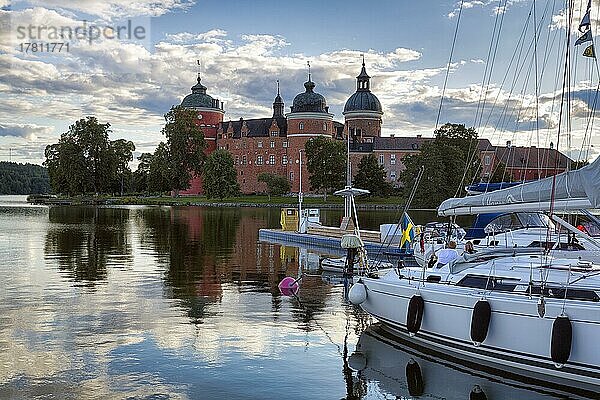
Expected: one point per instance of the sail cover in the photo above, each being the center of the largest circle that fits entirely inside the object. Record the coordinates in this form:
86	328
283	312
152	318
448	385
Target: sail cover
574	190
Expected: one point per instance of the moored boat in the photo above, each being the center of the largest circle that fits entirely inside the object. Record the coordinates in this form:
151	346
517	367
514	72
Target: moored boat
525	312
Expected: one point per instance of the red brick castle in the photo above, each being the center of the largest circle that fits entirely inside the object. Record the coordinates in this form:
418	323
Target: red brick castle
273	144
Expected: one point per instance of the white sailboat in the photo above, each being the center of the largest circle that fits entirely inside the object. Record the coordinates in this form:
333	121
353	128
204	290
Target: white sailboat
524	310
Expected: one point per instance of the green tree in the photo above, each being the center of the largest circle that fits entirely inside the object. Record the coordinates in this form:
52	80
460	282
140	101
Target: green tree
326	164
122	151
578	164
186	145
141	176
219	177
81	161
501	174
23	178
450	162
277	185
159	170
371	176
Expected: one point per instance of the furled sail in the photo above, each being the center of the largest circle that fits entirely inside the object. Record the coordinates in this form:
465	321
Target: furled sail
579	189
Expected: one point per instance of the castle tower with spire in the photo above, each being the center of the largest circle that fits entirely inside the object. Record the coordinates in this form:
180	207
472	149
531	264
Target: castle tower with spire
309	117
362	111
209	118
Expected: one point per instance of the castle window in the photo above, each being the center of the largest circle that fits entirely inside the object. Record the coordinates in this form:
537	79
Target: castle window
292	176
487	160
259	144
244	160
272	159
393	175
301	126
381	159
324	126
393	160
285	144
259	160
284	160
274	133
237	160
272	144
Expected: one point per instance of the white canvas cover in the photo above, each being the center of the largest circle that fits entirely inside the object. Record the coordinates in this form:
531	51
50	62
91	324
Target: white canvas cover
574	190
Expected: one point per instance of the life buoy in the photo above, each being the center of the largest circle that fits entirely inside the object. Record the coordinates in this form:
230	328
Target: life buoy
562	337
414	314
414	379
480	321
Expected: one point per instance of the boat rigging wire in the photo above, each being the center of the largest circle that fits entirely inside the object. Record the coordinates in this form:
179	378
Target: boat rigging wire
437	120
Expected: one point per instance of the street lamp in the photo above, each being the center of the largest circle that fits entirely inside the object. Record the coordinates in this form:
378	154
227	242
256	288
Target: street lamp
300	191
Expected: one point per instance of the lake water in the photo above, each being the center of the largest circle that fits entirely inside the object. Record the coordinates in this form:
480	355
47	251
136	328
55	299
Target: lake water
182	303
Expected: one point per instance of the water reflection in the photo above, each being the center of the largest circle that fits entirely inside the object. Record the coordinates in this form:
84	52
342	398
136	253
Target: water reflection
85	240
390	367
162	302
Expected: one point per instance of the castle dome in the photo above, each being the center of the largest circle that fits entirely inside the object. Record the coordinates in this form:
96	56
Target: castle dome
309	101
363	99
198	98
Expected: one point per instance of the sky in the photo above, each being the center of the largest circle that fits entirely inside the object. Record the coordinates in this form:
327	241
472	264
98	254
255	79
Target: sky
132	60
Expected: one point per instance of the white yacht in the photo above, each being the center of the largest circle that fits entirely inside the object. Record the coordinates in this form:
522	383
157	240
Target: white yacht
522	310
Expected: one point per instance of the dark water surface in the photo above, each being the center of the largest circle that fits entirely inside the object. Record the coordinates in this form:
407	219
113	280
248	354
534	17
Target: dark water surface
182	303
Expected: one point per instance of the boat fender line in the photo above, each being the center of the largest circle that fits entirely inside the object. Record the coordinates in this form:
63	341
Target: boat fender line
477	393
480	321
414	314
562	337
358	293
414	379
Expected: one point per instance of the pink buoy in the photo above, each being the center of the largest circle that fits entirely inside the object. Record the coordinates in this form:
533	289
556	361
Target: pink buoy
289	286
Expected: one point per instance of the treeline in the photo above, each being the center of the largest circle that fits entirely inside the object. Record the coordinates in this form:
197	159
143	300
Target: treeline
86	161
23	179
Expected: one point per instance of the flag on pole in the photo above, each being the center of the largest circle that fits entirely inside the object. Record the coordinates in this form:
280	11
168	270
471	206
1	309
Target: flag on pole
589	51
586	37
408	230
585	21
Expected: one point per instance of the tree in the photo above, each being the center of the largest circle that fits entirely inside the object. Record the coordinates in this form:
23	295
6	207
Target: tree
159	170
450	162
186	144
326	164
578	164
141	176
500	174
81	160
23	178
277	185
219	175
122	151
371	176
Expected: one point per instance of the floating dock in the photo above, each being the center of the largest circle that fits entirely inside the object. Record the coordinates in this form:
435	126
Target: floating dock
328	244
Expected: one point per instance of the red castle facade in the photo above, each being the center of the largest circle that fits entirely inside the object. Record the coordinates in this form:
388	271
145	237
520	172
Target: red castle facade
276	144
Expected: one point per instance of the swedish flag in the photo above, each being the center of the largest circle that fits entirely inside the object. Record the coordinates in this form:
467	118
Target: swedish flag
408	231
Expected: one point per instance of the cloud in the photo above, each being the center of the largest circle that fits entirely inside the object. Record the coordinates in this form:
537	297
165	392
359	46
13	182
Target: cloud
115	8
26	131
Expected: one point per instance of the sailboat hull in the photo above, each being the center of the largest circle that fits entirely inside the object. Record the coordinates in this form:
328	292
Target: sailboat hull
518	339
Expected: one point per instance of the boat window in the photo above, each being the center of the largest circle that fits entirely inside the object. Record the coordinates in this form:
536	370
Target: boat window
572	294
434	278
484	282
513	221
535	220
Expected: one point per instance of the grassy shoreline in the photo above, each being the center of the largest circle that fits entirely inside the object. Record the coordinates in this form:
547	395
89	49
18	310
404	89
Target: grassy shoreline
242	201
